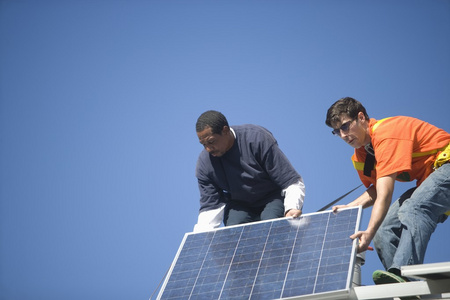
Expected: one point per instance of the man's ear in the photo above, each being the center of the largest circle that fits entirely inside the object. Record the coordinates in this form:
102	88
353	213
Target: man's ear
361	117
225	130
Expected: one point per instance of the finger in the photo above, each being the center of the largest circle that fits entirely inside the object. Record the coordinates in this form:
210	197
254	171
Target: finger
362	247
295	214
356	235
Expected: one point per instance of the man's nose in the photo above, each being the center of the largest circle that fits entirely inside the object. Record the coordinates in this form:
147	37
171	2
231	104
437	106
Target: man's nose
342	134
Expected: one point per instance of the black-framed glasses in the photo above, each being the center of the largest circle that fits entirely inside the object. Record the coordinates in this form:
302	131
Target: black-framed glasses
344	127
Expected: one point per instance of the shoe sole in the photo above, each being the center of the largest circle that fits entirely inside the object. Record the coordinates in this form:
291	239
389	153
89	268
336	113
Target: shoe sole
383	277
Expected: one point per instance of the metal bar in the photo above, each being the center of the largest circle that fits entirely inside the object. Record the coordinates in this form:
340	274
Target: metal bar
390	291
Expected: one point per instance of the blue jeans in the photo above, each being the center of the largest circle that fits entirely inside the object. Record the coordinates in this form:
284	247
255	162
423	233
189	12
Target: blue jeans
238	213
403	236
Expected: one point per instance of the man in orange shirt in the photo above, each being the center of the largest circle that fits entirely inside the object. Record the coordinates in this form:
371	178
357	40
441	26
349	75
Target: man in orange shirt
403	149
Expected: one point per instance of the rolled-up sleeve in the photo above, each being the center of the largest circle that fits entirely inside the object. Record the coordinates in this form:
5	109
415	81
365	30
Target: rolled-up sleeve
294	196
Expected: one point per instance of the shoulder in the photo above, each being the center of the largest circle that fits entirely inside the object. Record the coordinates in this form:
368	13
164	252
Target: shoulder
395	126
390	122
251	131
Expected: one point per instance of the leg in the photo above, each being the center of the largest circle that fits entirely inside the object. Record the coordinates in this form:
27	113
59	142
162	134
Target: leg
237	213
388	235
274	209
420	216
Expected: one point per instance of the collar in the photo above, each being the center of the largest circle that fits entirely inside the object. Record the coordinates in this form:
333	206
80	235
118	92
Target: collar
234	133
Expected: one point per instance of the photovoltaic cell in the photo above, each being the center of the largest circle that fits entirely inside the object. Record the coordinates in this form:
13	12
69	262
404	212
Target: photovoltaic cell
274	259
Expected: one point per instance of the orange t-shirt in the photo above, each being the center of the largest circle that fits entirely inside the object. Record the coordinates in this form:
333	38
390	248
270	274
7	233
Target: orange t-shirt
403	145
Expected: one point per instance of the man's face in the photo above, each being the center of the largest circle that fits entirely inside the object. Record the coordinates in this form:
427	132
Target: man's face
353	131
216	144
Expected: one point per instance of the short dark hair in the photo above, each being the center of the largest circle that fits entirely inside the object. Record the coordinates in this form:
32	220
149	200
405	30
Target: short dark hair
211	118
347	106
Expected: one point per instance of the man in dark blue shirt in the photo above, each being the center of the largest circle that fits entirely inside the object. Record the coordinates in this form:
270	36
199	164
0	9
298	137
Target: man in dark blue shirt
243	176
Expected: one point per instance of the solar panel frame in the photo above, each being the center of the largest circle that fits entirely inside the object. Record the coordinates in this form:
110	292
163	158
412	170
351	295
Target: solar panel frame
311	257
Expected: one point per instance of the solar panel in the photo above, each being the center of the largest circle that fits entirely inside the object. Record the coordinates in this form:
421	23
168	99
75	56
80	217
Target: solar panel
275	259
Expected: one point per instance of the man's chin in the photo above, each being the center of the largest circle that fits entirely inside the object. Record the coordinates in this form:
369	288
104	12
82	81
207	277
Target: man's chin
354	144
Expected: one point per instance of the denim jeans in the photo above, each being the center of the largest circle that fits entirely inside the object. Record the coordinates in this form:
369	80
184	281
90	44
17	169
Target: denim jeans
403	236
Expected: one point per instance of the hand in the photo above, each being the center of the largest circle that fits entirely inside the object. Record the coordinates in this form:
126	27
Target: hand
293	213
365	237
336	207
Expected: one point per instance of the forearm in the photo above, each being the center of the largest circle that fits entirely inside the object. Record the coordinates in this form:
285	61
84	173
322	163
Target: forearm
366	199
384	191
381	199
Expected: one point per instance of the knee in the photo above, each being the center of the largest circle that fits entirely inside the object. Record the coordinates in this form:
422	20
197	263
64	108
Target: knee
273	210
235	217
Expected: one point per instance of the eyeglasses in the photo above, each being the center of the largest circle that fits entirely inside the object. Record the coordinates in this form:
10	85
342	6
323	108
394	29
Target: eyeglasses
344	127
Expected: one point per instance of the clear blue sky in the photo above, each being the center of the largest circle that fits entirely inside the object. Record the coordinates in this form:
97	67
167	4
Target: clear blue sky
98	103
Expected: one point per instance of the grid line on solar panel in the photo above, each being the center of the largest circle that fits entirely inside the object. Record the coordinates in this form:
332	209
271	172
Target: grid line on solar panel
265	260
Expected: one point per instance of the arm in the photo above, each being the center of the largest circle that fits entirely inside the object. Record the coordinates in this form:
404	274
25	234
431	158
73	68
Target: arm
209	219
293	200
365	200
211	202
283	174
384	191
211	207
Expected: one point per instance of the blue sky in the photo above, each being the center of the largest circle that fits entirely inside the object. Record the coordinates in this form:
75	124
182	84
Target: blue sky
98	103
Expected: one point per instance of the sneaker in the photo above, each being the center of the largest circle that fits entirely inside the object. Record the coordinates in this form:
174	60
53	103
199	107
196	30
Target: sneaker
384	277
